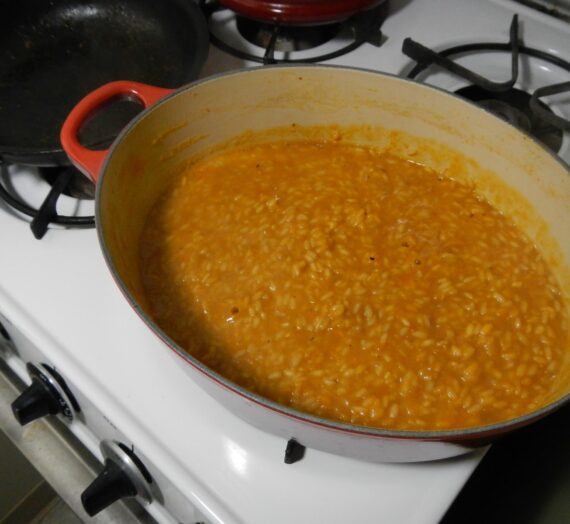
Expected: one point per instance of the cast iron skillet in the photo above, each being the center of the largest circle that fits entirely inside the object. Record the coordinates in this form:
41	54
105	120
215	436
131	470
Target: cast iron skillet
52	53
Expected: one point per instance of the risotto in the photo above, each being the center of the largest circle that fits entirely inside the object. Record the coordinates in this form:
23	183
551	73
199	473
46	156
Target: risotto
354	285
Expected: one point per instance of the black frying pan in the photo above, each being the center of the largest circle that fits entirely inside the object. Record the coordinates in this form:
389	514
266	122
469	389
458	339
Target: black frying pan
54	52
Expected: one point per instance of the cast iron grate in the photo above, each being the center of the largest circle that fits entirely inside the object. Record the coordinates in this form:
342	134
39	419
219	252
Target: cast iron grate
521	109
294	452
364	28
46	214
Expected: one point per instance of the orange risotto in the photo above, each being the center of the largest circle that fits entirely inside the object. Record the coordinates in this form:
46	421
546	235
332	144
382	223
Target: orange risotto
354	285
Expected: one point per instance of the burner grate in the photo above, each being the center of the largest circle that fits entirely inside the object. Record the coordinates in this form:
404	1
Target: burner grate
521	109
287	38
514	106
364	28
294	452
426	57
545	113
46	214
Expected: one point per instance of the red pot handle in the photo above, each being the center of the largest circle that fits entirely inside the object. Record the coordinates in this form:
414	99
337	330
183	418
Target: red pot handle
88	160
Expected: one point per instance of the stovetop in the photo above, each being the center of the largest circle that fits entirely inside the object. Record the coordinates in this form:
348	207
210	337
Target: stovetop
62	297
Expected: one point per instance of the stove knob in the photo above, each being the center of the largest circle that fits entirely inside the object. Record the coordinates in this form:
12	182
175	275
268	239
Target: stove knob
111	485
124	475
36	401
46	395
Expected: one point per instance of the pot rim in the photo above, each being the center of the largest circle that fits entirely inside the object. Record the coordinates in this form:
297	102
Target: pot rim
449	435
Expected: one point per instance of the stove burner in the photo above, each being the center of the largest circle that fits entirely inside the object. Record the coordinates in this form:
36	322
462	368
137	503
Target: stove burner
361	28
511	114
289	38
538	107
47	212
518	108
514	107
79	186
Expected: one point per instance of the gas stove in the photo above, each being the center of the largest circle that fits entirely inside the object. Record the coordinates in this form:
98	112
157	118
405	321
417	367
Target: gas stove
63	313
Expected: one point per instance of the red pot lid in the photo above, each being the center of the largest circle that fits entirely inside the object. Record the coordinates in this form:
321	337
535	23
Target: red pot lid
299	12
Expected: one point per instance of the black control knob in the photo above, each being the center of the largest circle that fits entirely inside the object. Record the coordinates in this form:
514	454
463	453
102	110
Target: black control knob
35	401
46	395
111	485
124	475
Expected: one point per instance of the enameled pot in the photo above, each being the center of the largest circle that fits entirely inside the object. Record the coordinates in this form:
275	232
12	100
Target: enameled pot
438	129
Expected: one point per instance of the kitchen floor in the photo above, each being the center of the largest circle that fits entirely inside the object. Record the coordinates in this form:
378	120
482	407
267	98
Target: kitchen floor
58	512
35	502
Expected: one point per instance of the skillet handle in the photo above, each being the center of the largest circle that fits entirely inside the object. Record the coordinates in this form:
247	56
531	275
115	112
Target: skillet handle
87	160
